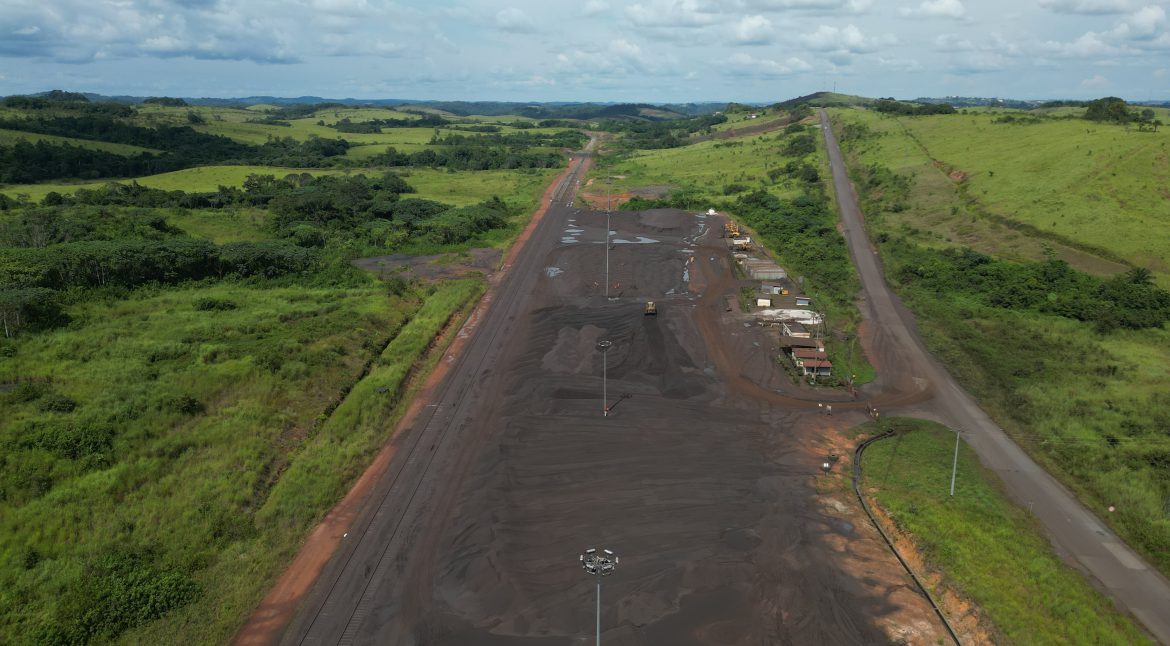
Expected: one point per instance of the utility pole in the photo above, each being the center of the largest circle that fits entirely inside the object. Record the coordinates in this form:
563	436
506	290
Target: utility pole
608	206
604	346
955	464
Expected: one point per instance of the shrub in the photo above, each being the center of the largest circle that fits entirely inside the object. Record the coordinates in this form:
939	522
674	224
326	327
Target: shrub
72	441
207	304
58	404
117	591
187	405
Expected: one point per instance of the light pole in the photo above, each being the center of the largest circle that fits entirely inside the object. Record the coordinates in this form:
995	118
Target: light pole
604	346
955	464
608	190
598	564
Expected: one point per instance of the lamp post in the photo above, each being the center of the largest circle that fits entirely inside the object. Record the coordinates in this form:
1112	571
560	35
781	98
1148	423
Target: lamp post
598	564
604	346
608	208
955	464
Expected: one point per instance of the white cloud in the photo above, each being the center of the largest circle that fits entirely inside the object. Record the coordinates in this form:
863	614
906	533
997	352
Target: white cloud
619	57
818	6
595	8
937	9
753	30
515	21
1161	73
670	13
899	64
1095	81
1089	45
742	64
977	63
1144	24
953	43
1090	7
346	45
848	39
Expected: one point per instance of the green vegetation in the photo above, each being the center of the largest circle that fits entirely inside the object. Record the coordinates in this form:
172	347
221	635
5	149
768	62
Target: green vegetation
10	137
185	136
986	549
1093	193
191	373
1071	364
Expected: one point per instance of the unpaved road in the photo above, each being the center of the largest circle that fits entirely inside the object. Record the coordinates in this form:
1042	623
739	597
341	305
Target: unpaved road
703	477
1078	536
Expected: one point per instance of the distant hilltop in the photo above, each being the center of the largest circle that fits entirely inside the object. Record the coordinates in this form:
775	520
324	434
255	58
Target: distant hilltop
536	110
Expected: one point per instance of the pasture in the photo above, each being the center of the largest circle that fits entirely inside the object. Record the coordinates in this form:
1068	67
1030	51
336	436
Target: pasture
707	167
1097	188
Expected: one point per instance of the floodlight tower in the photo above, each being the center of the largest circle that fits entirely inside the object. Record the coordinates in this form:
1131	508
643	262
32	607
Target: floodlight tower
608	209
599	564
604	346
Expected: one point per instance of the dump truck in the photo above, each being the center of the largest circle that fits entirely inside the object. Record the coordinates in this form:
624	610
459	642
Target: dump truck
651	309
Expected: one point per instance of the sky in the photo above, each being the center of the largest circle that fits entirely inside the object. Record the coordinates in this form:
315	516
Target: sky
653	51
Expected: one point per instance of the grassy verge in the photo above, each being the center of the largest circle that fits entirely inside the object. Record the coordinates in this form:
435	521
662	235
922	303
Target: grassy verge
161	460
317	476
988	550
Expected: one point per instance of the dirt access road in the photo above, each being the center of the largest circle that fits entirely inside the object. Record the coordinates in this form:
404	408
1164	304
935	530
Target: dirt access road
1078	536
703	477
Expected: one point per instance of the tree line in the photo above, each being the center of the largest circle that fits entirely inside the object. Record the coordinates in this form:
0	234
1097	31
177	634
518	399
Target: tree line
651	135
563	139
1114	110
893	106
1130	300
375	126
470	158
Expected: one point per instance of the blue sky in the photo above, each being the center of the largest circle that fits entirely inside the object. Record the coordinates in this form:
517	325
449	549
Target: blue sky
602	50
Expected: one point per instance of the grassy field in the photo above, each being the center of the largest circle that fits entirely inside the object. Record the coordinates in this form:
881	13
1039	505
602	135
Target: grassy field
706	167
520	188
221	225
1091	185
178	478
203	178
987	549
743	119
9	137
217	461
325	466
462	188
1091	407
